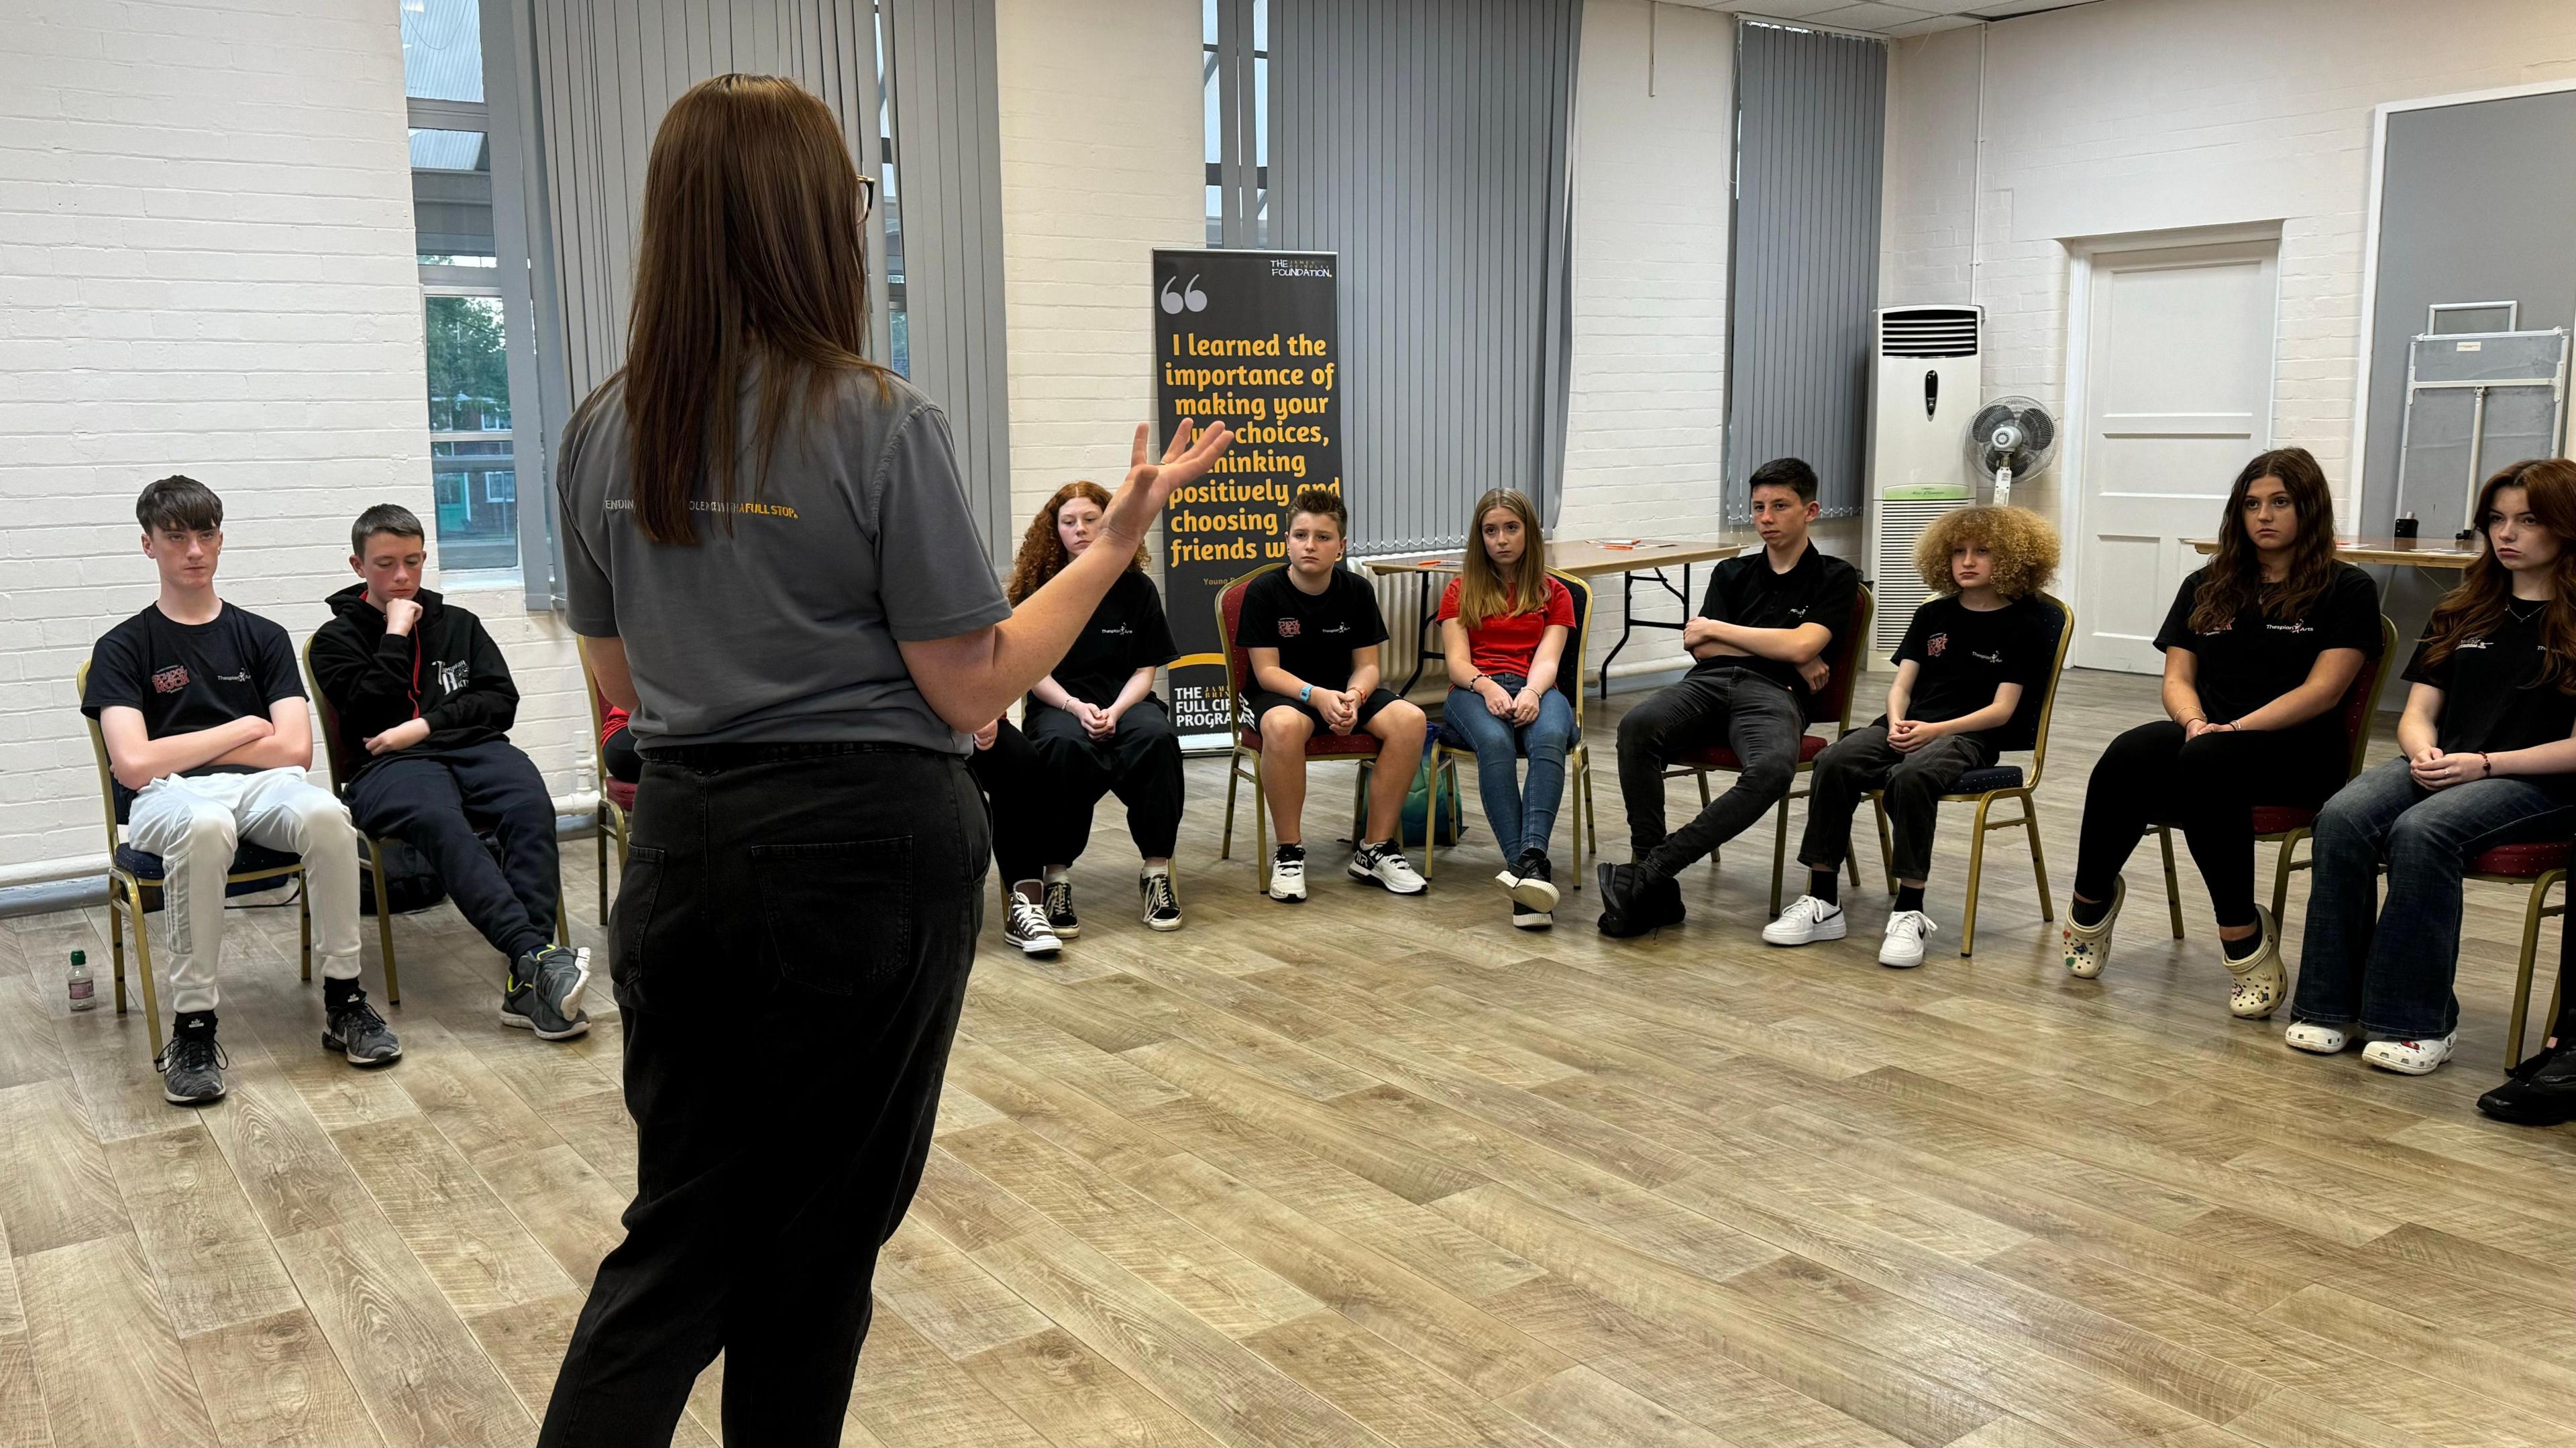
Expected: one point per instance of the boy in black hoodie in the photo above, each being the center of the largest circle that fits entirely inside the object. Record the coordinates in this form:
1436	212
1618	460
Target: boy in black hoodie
424	688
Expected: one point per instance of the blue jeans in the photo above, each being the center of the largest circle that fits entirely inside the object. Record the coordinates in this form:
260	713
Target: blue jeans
2393	976
1522	817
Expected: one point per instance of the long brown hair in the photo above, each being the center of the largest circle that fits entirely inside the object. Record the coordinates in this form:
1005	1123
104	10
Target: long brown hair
1483	592
2476	608
1042	554
2234	579
751	250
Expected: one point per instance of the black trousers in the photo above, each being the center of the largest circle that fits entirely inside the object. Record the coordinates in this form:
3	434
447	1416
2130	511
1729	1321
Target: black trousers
1141	764
1735	707
1863	760
2208	786
439	803
790	948
1016	803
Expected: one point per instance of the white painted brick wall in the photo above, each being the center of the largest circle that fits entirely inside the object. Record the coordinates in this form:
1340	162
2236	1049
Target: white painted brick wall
205	267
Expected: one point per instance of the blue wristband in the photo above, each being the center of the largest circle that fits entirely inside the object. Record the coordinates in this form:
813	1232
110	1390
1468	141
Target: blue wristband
1306	695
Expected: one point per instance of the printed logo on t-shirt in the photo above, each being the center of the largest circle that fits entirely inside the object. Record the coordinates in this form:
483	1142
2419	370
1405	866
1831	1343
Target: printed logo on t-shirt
2294	626
1933	646
449	677
1288	628
2477	643
1339	628
1996	658
1120	632
170	680
241	678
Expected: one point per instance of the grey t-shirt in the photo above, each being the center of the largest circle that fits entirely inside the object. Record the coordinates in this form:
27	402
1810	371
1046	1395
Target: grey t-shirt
782	629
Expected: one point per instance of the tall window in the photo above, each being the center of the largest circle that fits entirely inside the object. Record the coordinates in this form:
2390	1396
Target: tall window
473	468
1219	87
890	206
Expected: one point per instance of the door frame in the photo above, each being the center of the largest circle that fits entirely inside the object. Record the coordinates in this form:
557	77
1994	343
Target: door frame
2083	253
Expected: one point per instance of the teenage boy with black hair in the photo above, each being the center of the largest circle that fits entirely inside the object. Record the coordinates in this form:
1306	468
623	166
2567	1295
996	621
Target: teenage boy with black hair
203	713
418	680
1759	638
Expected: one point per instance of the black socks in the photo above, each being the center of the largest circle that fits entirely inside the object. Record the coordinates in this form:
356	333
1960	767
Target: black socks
193	1023
1826	885
2088	913
1909	897
2246	949
336	990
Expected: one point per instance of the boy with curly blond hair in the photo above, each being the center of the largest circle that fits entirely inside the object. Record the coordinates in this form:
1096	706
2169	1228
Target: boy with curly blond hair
1973	657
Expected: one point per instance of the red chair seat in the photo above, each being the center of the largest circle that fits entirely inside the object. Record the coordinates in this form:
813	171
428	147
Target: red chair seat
1718	756
621	794
2521	862
2280	819
1354	745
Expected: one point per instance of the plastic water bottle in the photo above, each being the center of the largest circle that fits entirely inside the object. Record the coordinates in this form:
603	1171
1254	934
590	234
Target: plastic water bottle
84	990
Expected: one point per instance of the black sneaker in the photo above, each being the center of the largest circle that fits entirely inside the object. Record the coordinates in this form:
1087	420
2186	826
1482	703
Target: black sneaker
543	993
1524	918
1634	902
353	1029
192	1066
1024	924
1530	881
1059	910
1162	902
2540	1092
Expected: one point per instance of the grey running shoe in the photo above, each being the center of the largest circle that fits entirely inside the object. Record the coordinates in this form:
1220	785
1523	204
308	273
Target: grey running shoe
544	993
192	1068
355	1030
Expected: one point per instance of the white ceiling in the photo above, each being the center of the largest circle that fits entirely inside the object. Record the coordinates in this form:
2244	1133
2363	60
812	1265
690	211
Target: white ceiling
1913	17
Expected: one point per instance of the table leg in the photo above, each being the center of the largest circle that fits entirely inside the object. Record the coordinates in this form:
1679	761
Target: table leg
1627	626
1423	653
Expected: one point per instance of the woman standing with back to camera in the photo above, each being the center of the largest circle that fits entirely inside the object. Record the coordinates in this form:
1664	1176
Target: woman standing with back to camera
770	561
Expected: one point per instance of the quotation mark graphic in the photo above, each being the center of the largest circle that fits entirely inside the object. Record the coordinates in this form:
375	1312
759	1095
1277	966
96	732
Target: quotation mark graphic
1190	297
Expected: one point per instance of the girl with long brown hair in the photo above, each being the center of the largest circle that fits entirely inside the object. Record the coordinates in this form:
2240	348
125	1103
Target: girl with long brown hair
1097	726
1504	624
772	566
2260	648
2487	757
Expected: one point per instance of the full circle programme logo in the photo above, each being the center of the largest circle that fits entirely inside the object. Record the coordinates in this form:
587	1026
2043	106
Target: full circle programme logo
1176	298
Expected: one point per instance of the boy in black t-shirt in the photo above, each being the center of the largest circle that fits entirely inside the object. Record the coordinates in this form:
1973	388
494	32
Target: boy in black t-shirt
1312	632
1973	657
417	682
1760	639
204	718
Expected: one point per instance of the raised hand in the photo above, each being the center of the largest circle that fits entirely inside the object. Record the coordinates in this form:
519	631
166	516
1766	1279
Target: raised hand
1139	500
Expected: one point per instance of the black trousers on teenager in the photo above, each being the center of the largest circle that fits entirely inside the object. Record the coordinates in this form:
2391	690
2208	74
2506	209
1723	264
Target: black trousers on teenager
438	802
1738	708
1863	760
2208	786
1141	764
790	948
1016	803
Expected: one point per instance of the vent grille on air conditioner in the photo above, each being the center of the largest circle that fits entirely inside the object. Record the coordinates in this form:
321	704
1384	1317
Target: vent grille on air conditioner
1893	579
1928	332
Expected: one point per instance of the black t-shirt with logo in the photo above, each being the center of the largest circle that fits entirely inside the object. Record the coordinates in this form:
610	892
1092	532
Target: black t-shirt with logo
184	678
2257	658
1314	633
2491	700
1127	632
1743	590
1962	655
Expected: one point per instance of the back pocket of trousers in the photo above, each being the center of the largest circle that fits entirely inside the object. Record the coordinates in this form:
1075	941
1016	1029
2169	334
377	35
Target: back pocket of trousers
837	918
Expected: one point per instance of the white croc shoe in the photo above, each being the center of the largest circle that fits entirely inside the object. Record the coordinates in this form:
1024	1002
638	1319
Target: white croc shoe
2317	1038
2261	983
2085	949
2411	1058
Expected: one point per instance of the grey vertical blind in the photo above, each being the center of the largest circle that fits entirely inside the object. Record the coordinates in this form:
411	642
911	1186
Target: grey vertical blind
1428	144
1810	112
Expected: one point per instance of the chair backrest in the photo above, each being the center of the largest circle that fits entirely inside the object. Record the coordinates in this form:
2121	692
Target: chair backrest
1569	667
1238	662
598	716
2361	701
1845	682
335	748
2048	691
106	767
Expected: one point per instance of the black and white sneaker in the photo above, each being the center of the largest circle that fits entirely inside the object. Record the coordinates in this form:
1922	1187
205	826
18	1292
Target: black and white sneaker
1524	918
1384	864
192	1066
544	992
1024	924
1635	902
1059	910
1531	882
1288	875
1162	902
353	1029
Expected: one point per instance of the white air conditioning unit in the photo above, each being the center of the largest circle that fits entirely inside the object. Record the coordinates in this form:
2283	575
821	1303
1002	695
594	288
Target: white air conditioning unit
1924	387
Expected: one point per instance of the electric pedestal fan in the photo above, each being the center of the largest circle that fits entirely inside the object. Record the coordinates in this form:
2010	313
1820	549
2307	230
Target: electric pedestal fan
2011	438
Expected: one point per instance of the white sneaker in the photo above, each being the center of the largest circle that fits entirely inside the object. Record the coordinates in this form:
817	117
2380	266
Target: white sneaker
1806	919
2261	982
1385	864
1026	927
1288	876
1906	930
2317	1038
2085	949
2411	1058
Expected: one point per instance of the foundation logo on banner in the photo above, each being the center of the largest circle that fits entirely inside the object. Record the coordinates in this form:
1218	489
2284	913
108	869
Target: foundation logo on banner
170	680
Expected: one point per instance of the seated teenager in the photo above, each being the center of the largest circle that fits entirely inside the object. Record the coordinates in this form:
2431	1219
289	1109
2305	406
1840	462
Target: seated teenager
204	716
1095	721
423	687
2260	648
2487	758
617	752
1759	639
1017	793
1503	625
1312	631
1971	655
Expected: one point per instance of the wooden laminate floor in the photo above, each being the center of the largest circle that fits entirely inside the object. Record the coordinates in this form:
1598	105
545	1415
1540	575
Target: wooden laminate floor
1366	1170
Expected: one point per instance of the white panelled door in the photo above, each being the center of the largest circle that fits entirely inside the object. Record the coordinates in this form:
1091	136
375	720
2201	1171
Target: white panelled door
2178	394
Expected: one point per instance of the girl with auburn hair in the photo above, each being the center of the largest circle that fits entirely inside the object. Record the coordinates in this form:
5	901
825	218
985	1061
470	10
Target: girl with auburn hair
1504	624
772	567
1096	726
2488	747
1969	675
2260	647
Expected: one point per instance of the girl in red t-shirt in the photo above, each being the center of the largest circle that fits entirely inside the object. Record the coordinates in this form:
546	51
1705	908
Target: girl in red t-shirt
1504	623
